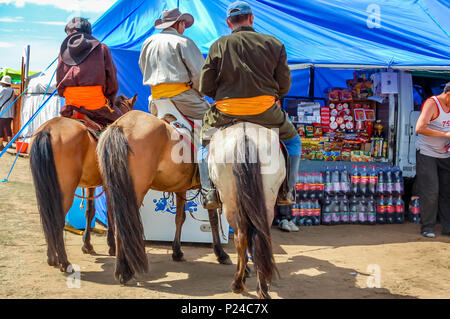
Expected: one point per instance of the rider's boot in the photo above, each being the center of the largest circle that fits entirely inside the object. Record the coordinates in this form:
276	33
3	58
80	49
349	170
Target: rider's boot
288	198
211	200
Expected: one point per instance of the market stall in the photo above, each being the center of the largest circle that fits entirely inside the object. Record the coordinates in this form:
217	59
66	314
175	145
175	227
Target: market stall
339	53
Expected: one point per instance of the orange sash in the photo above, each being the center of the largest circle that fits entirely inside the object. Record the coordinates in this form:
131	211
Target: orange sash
246	106
168	90
89	97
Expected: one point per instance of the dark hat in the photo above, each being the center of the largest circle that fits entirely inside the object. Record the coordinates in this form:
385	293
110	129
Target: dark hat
79	24
77	47
172	16
238	8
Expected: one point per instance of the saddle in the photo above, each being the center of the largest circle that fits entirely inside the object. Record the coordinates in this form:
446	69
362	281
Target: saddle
166	110
93	127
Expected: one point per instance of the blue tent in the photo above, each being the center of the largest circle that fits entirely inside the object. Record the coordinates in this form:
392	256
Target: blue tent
407	34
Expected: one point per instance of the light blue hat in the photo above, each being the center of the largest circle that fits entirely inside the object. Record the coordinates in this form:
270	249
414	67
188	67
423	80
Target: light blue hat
238	8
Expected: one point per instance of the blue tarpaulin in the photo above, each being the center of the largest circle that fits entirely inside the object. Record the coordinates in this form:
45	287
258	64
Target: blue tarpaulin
396	33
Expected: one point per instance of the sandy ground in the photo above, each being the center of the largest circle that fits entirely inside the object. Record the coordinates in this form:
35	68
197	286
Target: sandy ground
346	261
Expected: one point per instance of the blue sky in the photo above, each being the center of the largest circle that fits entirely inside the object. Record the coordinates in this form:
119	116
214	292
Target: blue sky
40	23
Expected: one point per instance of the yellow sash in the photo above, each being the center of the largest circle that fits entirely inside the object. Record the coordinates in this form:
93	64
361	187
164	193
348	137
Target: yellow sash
246	106
168	90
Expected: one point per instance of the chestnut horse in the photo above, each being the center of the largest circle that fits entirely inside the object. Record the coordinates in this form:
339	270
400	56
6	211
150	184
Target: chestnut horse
136	153
62	158
247	167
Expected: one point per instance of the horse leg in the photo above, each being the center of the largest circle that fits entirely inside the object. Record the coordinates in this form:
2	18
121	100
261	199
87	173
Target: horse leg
90	213
222	256
262	289
123	272
180	217
110	239
240	241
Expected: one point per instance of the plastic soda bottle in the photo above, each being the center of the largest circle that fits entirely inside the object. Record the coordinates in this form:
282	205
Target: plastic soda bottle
414	210
316	212
399	210
381	210
335	211
345	185
390	210
335	181
380	183
362	214
371	211
372	181
398	181
389	186
344	210
355	180
309	213
327	182
319	186
326	211
363	181
354	210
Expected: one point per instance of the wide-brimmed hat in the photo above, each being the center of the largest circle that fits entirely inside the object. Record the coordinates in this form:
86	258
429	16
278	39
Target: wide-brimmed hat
77	47
6	80
172	16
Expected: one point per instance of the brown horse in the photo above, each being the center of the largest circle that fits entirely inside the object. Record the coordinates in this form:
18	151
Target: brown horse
136	153
62	158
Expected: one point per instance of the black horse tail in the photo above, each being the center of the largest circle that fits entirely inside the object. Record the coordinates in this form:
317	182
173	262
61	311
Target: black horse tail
112	151
48	191
252	211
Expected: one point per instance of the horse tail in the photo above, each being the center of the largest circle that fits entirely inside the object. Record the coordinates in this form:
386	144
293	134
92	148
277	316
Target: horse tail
48	191
252	211
112	151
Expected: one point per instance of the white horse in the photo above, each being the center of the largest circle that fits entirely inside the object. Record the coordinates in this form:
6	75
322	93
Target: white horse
247	167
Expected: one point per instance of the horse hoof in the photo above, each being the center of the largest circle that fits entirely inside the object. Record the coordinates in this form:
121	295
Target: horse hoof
64	267
112	252
88	250
238	288
178	257
225	261
124	279
53	261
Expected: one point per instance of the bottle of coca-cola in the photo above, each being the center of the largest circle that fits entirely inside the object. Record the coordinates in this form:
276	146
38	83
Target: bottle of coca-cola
299	186
390	210
319	185
309	213
414	211
372	181
381	210
355	180
316	213
364	180
399	210
300	218
344	210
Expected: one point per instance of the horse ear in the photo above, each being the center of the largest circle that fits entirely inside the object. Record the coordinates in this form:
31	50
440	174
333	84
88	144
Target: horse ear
133	100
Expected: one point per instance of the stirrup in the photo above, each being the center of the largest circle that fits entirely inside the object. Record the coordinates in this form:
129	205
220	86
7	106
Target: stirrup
286	199
211	200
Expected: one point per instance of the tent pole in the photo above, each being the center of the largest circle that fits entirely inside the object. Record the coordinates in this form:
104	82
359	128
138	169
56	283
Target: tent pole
312	75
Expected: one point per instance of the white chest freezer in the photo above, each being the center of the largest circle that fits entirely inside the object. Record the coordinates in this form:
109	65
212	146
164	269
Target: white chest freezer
158	219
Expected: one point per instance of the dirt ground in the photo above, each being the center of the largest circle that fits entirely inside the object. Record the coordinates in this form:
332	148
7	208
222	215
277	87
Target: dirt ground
346	261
